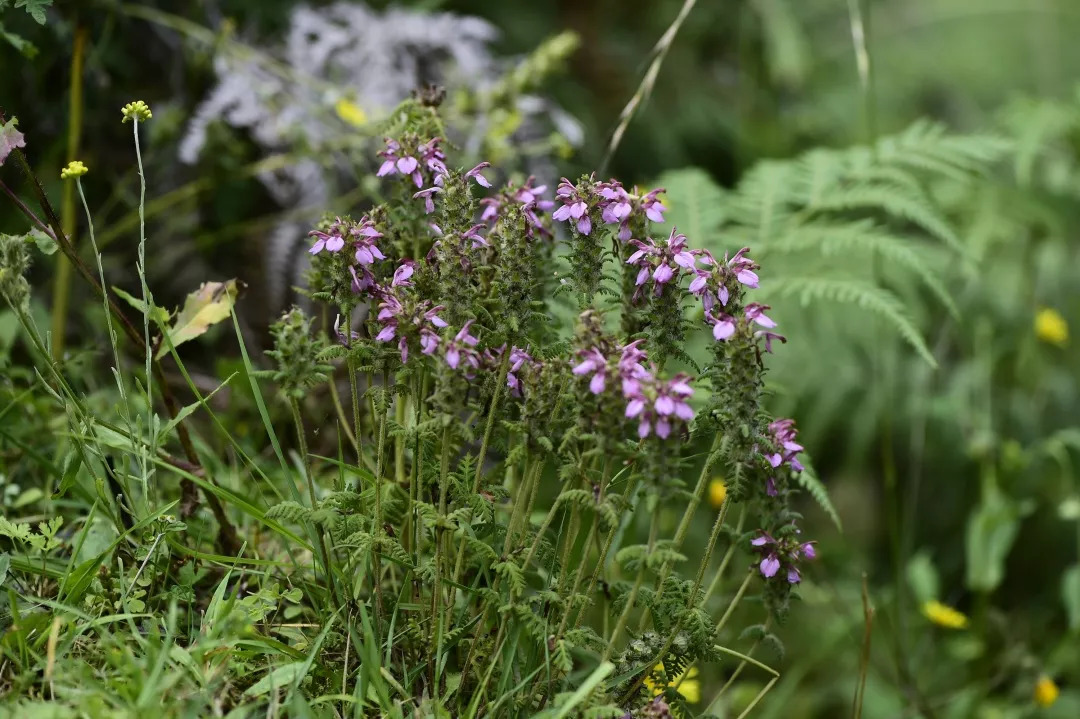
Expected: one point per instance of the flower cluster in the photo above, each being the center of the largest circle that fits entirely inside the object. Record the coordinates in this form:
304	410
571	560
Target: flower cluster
782	556
616	205
402	316
527	197
73	169
361	238
397	159
715	280
660	260
658	404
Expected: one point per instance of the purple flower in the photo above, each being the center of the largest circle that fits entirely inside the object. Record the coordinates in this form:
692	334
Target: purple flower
618	206
429	202
769	337
653	208
575	205
364	281
398	161
593	361
717	281
475	174
473	234
434	159
402	274
783	553
769	566
723	325
661	261
783	438
520	362
756	313
657	404
461	347
429	341
527	197
405	317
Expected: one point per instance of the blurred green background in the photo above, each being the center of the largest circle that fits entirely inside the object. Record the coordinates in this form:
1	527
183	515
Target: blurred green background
955	482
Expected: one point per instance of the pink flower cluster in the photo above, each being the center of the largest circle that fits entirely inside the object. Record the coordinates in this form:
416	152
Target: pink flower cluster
616	205
405	318
783	554
660	261
528	197
659	405
399	160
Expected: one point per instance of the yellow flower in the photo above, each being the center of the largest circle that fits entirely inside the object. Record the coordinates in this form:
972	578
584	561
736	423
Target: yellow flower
717	492
689	687
73	169
944	615
138	111
1051	327
350	112
1046	692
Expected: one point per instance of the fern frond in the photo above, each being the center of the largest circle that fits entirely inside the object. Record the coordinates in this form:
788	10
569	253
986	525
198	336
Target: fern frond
816	489
861	294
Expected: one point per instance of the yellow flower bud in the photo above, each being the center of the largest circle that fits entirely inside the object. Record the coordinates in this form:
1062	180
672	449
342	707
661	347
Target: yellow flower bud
944	615
73	169
1051	327
138	111
717	492
350	113
1046	691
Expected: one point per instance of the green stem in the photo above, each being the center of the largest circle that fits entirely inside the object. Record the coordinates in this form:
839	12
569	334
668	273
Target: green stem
440	531
62	281
724	562
662	652
630	487
638	581
490	425
301	438
684	523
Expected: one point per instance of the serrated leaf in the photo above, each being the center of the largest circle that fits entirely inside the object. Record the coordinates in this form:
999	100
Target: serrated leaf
203	308
35	8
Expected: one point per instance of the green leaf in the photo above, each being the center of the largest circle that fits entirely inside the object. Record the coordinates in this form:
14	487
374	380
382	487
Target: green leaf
280	677
183	413
10	138
991	531
159	315
206	306
5	563
922	577
23	46
46	244
35	8
1070	595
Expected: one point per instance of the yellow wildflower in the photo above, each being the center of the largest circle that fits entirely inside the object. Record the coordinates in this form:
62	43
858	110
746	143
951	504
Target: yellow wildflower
73	169
138	111
1046	691
1051	327
717	492
689	687
350	112
943	615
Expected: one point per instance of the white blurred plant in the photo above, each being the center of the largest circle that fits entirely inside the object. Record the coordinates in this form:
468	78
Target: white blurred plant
339	69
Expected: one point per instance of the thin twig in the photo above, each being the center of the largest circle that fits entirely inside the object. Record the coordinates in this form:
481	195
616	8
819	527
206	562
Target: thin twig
660	50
